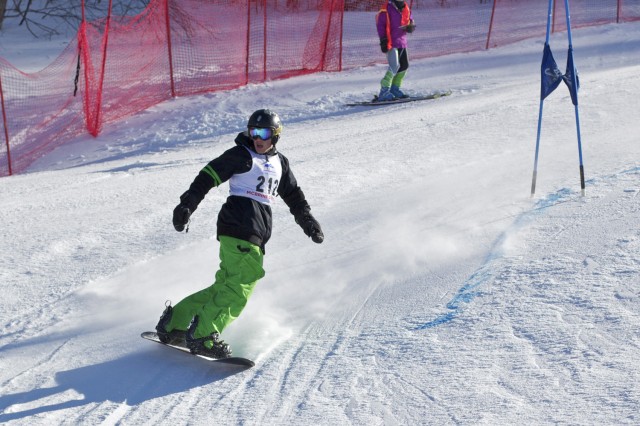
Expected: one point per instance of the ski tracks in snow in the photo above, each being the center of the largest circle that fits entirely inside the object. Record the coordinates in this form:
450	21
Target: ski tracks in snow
564	316
312	371
486	273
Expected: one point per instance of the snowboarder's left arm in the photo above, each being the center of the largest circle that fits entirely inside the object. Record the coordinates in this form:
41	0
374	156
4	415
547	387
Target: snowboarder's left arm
294	198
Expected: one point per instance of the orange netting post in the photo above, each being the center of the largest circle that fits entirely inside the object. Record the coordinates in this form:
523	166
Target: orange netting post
6	130
493	14
94	84
168	26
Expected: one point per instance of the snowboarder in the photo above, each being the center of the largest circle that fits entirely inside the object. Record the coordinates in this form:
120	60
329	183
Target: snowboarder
257	173
394	21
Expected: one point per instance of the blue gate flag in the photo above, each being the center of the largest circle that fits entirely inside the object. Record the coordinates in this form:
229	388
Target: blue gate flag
551	74
551	78
571	78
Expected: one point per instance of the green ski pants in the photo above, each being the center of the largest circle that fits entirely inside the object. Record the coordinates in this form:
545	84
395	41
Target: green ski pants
221	303
398	59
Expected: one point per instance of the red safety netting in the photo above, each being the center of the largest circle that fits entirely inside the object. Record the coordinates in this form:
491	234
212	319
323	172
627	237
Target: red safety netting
40	111
186	47
229	43
125	65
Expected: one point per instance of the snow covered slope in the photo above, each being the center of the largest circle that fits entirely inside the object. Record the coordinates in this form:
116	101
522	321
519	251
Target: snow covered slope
443	293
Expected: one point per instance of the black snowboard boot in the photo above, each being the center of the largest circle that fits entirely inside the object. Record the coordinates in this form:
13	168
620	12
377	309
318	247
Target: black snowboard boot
173	337
210	346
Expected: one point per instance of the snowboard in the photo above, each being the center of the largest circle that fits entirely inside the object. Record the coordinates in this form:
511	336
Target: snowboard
243	362
375	101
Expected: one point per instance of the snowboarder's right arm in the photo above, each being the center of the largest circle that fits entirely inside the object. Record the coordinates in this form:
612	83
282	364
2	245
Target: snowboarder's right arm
218	171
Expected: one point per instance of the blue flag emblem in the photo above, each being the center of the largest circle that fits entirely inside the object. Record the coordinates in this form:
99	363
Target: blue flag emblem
551	74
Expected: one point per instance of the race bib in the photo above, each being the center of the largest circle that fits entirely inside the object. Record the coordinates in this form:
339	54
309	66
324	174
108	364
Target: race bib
261	182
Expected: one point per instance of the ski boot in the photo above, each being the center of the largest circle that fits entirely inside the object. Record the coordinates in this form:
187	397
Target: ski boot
210	346
396	92
173	337
385	94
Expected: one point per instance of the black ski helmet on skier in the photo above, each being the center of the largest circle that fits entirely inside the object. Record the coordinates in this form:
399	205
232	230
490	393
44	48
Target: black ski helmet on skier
266	119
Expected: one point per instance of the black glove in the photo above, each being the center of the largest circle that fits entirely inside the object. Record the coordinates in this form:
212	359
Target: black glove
311	227
182	212
181	216
410	27
384	44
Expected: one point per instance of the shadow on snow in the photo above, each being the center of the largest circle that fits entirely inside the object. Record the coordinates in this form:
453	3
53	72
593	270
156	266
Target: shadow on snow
132	379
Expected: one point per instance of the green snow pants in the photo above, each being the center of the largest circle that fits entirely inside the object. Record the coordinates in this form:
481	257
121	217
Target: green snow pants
218	305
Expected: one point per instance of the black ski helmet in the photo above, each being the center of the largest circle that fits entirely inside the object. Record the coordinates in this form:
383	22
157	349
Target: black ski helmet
266	118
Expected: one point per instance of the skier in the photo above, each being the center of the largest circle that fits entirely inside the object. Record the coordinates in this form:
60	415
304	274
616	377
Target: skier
394	21
257	175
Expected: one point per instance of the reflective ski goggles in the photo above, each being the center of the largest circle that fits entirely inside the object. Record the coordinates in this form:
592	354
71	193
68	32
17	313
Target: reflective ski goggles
263	133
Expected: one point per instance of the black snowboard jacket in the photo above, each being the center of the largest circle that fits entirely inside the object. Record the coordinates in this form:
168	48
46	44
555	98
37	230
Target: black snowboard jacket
242	217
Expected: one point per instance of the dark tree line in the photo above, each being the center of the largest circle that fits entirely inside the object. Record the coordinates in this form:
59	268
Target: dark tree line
50	17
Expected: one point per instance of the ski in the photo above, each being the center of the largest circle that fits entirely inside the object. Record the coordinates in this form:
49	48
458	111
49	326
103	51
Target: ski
243	362
376	102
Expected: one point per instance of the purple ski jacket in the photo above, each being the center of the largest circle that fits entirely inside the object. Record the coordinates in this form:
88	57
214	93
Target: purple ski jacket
398	36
